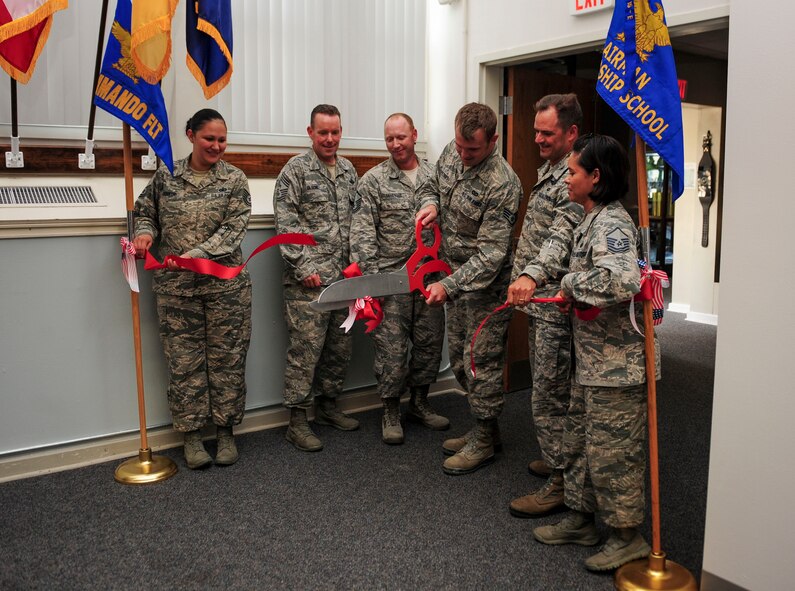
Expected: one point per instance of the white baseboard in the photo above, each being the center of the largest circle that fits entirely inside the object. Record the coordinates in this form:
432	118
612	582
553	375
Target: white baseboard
117	447
702	318
679	308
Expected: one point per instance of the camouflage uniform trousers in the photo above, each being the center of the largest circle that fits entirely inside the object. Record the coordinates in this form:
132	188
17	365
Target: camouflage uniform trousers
464	314
605	444
407	318
318	350
205	340
550	366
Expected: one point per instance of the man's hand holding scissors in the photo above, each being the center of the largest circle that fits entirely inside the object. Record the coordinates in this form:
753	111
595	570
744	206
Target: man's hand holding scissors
427	215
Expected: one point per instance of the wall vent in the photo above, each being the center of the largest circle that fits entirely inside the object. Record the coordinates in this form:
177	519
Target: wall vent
46	195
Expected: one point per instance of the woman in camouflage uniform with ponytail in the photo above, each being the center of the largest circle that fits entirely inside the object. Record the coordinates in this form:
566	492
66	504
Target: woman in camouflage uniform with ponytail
606	423
202	211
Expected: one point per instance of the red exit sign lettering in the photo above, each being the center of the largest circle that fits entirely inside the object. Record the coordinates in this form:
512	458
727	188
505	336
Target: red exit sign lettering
578	7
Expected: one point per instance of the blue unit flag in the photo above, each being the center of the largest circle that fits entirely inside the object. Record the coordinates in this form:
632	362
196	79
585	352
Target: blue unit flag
637	78
209	43
124	94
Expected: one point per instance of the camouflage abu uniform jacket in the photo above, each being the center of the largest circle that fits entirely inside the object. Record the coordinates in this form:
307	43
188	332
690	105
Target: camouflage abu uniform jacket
604	273
307	200
477	210
551	215
382	230
203	216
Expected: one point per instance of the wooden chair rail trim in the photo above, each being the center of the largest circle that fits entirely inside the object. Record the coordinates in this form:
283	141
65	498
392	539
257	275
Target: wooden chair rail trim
63	161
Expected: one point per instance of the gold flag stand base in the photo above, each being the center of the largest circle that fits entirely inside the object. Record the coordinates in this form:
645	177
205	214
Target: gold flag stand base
656	573
145	469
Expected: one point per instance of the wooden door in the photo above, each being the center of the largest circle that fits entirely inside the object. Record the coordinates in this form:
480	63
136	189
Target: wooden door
526	84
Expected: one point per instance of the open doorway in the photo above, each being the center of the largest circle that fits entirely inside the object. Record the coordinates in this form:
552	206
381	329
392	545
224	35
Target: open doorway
701	59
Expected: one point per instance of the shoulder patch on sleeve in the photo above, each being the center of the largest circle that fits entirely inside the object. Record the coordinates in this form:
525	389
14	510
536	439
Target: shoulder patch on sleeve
281	191
247	198
509	215
617	241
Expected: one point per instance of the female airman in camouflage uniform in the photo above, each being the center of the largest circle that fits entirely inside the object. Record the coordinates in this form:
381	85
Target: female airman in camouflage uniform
205	323
606	424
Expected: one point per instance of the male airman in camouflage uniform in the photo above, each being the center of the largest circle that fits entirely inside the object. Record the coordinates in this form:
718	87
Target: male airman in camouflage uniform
383	240
549	213
205	322
606	424
315	194
475	194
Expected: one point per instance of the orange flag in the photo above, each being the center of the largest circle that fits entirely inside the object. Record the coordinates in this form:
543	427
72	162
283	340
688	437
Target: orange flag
150	45
24	28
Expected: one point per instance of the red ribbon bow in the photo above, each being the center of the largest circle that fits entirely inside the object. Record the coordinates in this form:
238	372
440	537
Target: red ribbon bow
366	308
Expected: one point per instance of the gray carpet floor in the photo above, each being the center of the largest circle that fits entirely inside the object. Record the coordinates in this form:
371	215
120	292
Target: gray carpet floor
358	515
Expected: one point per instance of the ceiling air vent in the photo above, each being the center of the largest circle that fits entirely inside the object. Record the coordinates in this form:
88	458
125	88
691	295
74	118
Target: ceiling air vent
46	195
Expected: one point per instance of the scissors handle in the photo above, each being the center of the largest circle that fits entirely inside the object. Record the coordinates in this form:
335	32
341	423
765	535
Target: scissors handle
417	281
417	272
424	250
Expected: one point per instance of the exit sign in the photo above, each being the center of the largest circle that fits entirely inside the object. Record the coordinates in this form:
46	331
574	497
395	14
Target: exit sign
578	7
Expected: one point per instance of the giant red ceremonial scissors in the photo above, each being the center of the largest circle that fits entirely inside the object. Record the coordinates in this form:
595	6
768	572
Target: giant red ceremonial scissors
341	294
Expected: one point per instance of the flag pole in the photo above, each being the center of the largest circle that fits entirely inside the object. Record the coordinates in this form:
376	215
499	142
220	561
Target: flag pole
86	160
146	468
654	572
14	158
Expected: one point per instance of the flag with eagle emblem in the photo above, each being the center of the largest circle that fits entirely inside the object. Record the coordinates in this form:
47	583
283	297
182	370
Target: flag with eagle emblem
124	94
637	78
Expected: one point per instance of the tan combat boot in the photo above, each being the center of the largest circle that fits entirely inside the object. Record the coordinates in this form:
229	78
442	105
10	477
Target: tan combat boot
478	451
546	500
299	433
326	413
624	545
539	468
575	528
195	454
454	445
422	412
227	450
391	430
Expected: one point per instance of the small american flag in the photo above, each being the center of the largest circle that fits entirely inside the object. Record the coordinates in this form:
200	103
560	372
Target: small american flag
658	279
128	264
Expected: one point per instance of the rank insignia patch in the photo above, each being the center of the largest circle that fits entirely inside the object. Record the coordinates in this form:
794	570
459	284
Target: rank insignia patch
617	241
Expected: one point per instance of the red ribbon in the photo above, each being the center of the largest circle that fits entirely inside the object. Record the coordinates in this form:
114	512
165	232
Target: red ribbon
477	332
208	267
366	308
582	313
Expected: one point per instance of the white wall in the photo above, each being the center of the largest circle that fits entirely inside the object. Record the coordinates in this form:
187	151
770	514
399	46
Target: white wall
694	290
750	515
446	72
467	36
507	29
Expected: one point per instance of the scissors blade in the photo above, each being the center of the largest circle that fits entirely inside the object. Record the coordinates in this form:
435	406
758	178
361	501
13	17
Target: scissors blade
344	292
